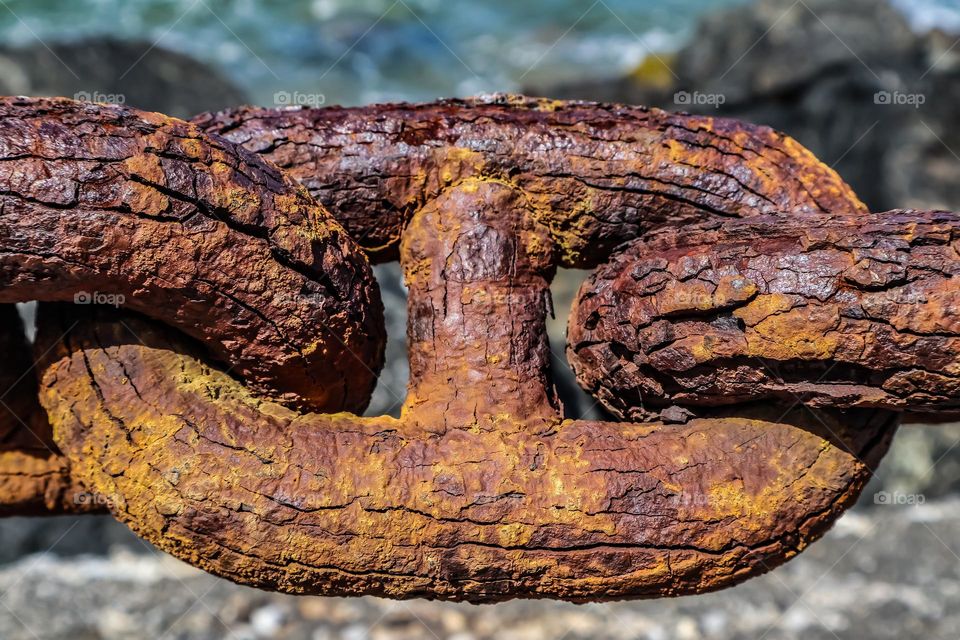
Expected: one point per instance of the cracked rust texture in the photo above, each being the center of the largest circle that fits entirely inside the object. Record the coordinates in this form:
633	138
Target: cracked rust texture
480	491
595	174
111	201
836	310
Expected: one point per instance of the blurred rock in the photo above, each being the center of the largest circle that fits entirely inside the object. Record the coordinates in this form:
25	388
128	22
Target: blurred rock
577	404
773	48
144	76
392	383
70	535
849	80
887	573
924	460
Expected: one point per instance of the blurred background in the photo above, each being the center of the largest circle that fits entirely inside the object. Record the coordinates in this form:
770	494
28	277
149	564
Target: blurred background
871	86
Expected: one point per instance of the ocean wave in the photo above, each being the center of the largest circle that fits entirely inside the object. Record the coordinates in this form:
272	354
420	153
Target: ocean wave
358	50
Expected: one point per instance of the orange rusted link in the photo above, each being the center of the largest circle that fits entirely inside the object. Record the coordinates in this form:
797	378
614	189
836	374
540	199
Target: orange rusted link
481	490
105	204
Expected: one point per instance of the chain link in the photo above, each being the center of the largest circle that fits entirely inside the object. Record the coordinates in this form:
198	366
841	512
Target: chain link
760	332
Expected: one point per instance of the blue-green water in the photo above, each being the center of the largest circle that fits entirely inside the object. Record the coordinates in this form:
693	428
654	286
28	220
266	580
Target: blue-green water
355	51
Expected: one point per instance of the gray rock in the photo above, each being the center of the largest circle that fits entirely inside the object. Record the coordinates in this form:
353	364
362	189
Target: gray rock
923	461
775	47
70	535
138	73
392	383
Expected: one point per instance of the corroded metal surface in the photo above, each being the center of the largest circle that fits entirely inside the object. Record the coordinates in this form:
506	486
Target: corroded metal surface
480	491
596	175
338	505
836	310
110	204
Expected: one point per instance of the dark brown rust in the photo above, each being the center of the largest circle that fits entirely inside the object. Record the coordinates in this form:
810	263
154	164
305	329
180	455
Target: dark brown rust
834	310
18	387
117	205
596	175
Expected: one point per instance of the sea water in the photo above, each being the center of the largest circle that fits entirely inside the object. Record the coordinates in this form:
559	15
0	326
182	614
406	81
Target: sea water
359	51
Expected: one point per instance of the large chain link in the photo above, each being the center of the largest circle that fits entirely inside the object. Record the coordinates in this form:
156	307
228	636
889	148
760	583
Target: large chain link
761	331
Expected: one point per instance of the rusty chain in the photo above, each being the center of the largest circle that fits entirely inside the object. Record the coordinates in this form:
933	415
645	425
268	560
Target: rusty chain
758	328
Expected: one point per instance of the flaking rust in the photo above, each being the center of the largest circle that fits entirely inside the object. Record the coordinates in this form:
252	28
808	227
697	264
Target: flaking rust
837	310
481	490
